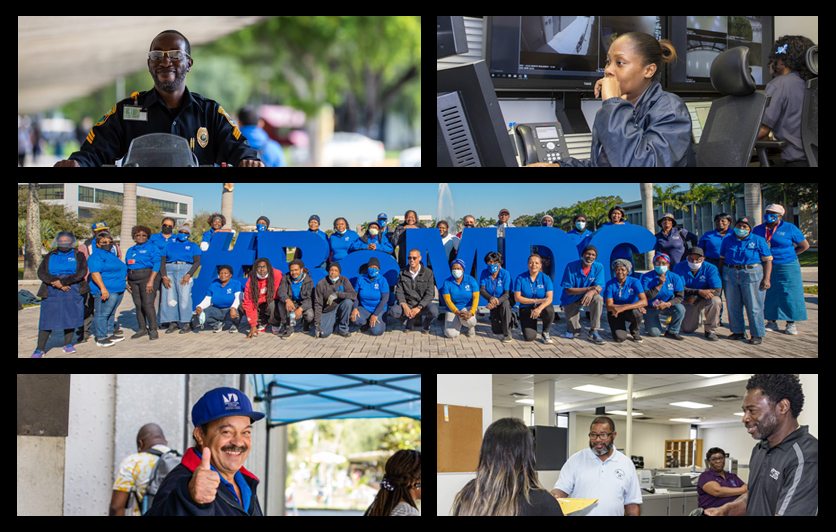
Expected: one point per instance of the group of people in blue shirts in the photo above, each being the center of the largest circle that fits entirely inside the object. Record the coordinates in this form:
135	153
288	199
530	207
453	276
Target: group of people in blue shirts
756	267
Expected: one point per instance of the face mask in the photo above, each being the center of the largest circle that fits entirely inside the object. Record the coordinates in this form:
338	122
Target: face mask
588	263
104	247
182	237
373	272
66	249
166	230
458	274
261	228
741	232
694	267
493	268
661	269
333	280
260	277
374	232
581	226
771	218
546	224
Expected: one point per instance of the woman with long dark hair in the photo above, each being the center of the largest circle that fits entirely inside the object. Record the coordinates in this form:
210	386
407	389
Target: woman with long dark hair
506	482
400	488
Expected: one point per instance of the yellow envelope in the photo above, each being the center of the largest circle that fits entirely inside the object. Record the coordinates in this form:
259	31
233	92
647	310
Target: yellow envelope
570	506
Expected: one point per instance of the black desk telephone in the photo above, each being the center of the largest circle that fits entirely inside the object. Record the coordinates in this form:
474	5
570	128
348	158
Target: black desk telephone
540	143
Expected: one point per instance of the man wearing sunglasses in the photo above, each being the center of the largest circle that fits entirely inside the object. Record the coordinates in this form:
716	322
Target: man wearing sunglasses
168	108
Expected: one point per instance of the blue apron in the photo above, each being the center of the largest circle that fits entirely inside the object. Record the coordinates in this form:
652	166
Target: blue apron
61	310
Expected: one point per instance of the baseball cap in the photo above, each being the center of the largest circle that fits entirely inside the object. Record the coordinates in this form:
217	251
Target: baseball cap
223	402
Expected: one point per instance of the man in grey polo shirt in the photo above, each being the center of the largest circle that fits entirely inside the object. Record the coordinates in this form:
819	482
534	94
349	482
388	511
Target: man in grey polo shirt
784	469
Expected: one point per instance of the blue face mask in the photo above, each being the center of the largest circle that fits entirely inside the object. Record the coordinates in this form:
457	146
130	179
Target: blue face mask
493	268
771	218
741	232
373	272
182	237
261	228
661	269
458	274
581	226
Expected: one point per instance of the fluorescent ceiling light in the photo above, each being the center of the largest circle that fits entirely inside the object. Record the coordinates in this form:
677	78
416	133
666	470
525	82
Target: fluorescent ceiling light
599	390
690	404
623	413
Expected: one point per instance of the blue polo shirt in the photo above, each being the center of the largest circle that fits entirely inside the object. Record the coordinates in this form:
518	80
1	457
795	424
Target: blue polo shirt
460	294
370	292
706	278
750	250
574	277
673	284
533	289
782	241
224	296
112	270
623	295
613	482
496	287
143	256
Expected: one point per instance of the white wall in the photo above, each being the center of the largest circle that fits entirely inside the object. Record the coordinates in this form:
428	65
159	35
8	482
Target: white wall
473	391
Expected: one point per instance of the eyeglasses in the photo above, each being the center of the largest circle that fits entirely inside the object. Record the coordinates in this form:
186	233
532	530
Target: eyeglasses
173	55
604	437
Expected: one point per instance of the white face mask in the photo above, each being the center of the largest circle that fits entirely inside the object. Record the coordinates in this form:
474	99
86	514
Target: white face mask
694	267
260	277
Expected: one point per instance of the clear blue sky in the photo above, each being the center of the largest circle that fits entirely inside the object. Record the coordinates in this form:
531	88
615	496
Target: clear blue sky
290	205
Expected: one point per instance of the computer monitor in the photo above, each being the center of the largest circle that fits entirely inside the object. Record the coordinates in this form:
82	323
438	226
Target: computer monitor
556	52
470	130
698	40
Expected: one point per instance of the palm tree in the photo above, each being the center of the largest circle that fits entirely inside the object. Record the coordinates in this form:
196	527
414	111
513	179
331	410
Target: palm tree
226	204
754	202
128	216
33	253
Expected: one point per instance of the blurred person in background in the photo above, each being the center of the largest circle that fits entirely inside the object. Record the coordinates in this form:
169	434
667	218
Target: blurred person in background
269	151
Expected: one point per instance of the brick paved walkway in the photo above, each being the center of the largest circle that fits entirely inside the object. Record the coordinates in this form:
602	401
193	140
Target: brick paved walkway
396	344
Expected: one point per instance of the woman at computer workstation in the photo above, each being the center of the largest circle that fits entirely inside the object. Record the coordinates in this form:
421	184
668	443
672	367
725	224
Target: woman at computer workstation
639	124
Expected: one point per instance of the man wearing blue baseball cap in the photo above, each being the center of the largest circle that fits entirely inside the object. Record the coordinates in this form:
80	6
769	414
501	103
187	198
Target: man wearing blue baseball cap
211	480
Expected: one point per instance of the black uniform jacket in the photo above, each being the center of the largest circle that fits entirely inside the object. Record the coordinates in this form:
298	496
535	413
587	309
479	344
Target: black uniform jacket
173	497
217	138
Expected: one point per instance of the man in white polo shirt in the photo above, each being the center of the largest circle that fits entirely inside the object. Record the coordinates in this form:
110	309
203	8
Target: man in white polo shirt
603	473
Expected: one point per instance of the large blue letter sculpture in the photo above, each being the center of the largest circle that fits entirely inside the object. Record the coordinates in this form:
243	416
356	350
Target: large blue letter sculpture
475	244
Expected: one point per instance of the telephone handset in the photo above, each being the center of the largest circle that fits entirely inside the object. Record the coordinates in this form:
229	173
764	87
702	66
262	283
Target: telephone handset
540	143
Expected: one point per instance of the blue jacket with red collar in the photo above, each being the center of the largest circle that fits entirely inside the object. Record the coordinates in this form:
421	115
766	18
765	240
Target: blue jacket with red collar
174	499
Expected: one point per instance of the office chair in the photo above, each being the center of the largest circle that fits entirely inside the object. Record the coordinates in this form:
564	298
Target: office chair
733	121
810	113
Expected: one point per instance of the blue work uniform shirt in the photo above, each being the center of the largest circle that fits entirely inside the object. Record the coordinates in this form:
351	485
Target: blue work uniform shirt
750	250
198	118
656	132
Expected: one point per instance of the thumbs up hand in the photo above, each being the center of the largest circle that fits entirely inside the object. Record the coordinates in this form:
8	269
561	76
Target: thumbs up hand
204	484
